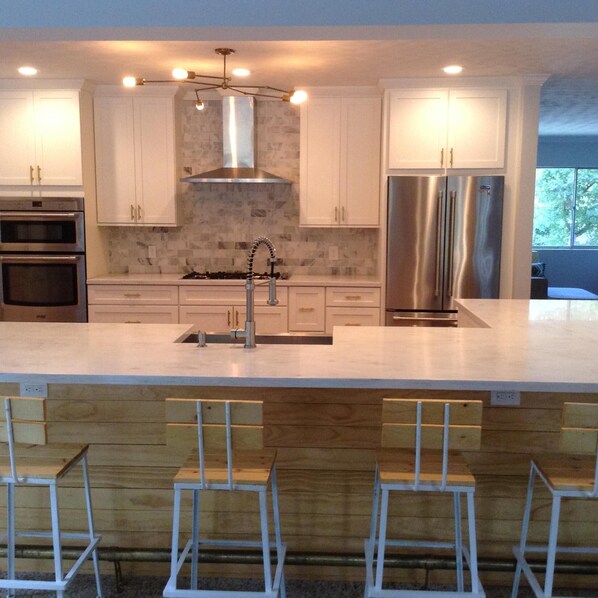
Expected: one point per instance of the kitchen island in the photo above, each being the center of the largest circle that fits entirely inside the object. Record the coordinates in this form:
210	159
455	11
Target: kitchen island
322	411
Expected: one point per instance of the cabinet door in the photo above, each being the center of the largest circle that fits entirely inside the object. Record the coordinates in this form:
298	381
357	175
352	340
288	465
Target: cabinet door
307	309
477	125
319	162
57	137
17	149
155	161
417	128
115	160
360	162
209	318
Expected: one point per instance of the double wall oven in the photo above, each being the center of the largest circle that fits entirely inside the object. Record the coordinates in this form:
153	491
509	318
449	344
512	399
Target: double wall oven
42	260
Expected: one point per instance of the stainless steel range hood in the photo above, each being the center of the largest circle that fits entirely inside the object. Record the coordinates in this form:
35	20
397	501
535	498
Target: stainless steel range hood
238	126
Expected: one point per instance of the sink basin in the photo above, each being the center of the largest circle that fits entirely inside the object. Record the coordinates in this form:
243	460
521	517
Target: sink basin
261	339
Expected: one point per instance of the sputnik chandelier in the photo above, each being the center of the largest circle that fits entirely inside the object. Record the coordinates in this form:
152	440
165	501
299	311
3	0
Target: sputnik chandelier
209	82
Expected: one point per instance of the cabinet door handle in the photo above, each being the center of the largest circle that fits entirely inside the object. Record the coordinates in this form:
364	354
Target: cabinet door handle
336	213
236	317
305	309
31	178
451	158
132	212
132	295
39	174
441	157
138	212
228	317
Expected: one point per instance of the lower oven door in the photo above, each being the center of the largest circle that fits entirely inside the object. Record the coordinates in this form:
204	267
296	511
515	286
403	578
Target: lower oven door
43	288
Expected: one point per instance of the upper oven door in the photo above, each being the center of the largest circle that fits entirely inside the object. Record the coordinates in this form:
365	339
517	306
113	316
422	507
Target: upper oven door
53	232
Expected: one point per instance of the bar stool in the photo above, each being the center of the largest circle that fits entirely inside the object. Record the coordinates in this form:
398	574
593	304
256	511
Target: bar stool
565	476
230	457
419	443
27	460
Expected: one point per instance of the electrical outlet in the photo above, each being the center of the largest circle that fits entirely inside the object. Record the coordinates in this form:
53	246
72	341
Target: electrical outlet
333	253
504	398
151	251
34	390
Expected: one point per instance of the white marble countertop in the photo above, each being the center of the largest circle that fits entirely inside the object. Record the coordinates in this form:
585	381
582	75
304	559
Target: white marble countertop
175	279
528	345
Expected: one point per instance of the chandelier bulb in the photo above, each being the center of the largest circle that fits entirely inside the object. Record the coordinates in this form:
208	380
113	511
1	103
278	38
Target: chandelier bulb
298	97
199	105
133	81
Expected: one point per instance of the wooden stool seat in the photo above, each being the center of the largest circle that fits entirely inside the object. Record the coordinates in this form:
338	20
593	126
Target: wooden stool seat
27	460
397	466
573	474
250	468
47	462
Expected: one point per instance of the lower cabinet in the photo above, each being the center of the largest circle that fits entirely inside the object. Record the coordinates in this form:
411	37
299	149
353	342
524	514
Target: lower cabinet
307	309
352	306
219	308
351	316
133	304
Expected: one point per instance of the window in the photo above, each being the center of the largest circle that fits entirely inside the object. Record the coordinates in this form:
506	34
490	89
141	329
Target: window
566	207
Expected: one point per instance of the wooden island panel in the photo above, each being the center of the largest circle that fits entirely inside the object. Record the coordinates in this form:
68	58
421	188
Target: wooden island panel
325	440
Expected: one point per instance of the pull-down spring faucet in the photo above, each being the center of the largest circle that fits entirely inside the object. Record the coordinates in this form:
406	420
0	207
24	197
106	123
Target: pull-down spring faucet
249	332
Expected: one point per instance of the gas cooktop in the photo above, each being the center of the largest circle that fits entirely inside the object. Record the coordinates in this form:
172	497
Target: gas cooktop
235	275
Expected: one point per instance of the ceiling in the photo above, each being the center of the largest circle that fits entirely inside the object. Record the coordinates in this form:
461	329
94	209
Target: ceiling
569	104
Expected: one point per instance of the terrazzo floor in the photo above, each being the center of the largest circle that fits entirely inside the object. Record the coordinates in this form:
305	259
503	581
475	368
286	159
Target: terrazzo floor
152	587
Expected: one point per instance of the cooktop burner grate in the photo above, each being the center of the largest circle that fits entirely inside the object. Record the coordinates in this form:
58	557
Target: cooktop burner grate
235	275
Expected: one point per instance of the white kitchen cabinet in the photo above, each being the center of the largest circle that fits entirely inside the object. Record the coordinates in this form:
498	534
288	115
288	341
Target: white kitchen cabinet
352	306
136	159
135	304
447	129
340	162
219	308
307	309
41	136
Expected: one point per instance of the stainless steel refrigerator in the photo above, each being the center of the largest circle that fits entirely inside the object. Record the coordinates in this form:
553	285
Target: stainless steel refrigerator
444	240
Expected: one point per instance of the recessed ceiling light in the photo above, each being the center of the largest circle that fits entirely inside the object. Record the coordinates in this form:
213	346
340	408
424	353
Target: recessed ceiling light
241	72
453	69
28	71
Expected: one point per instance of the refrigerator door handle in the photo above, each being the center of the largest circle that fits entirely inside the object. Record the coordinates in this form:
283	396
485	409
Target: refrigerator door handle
438	240
451	241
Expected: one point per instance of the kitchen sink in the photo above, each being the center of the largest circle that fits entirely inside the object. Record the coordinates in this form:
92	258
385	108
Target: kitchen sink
261	339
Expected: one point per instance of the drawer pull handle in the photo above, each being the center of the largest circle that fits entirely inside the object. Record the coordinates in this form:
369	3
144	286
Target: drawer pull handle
352	297
352	324
132	321
132	295
307	309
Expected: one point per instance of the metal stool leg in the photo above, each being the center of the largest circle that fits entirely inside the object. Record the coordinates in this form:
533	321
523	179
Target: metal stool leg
174	556
277	532
56	536
524	529
382	539
265	540
195	539
473	545
458	540
554	530
90	526
10	528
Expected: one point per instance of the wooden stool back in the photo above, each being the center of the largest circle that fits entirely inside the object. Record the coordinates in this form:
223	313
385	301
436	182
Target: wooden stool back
579	432
215	426
421	424
23	421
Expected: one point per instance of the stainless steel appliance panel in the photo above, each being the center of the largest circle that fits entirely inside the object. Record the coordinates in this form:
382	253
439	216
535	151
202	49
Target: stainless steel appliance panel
473	238
421	319
415	243
42	288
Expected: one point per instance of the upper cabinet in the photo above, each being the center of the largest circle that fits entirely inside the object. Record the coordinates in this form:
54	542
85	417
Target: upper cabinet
446	129
41	133
340	162
135	158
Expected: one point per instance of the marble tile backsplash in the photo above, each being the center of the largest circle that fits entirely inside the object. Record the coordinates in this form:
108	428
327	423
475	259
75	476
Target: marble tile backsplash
220	221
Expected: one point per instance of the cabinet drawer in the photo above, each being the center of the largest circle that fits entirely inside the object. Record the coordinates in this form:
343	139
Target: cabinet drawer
219	318
346	316
353	296
134	314
132	295
228	294
307	309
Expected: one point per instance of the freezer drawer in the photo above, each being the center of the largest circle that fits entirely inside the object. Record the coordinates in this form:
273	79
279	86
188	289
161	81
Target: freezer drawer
421	318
